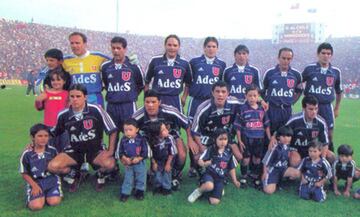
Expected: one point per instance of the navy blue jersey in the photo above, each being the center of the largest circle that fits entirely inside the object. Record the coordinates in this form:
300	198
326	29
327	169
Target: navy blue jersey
208	118
305	132
35	164
123	82
322	84
280	88
252	122
170	115
239	80
344	170
162	150
204	75
168	78
277	157
315	171
221	164
85	128
132	148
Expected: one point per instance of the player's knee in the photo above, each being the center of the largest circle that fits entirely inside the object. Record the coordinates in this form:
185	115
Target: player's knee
214	201
108	164
54	166
53	201
269	189
295	159
357	196
208	186
35	205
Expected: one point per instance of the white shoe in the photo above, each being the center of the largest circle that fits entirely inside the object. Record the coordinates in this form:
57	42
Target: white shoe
194	195
223	192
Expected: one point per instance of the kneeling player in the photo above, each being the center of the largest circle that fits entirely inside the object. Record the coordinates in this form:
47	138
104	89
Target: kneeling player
218	160
276	161
42	186
315	170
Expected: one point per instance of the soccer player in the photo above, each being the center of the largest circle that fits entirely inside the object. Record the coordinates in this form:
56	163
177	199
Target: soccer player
323	80
84	67
85	124
241	75
31	78
218	112
308	126
42	186
168	73
282	88
315	171
123	83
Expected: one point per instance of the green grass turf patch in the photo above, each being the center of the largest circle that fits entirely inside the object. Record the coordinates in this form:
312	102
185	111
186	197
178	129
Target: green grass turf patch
17	114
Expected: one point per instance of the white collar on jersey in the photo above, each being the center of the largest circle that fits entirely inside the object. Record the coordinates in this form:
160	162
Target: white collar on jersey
84	55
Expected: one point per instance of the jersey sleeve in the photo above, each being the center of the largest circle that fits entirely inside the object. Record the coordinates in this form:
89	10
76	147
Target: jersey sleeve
120	151
266	120
233	163
305	74
338	84
257	79
299	86
270	157
302	166
24	163
60	125
103	75
139	78
206	155
107	121
188	75
327	169
150	72
144	149
352	169
172	146
323	134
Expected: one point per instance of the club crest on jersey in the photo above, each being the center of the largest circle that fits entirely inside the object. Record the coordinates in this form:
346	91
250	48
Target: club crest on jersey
215	71
314	134
223	164
225	119
93	68
88	124
177	73
248	79
138	150
290	83
125	75
329	81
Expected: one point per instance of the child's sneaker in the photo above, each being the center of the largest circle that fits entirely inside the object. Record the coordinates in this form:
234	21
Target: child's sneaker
194	195
124	197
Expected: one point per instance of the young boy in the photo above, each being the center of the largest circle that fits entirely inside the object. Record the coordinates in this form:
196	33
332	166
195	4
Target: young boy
276	161
42	186
252	126
344	168
315	170
132	152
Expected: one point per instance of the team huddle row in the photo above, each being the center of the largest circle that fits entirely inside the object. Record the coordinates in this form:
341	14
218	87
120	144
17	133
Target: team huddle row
226	122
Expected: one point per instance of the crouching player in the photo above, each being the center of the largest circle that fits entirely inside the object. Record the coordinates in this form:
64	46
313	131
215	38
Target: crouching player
42	186
218	160
276	161
315	170
345	168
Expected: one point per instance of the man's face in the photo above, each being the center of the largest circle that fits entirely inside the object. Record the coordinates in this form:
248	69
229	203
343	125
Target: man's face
77	45
324	56
285	60
77	100
241	58
220	95
152	105
311	111
172	47
118	51
53	63
210	49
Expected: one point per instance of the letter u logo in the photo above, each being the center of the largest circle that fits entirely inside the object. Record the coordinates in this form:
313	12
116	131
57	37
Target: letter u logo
88	124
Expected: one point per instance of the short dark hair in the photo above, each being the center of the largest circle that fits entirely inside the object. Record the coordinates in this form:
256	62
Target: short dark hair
310	100
211	39
219	84
172	36
284	131
38	127
218	132
153	132
252	87
151	93
240	48
286	49
131	121
345	149
315	144
54	53
121	40
82	35
79	87
325	46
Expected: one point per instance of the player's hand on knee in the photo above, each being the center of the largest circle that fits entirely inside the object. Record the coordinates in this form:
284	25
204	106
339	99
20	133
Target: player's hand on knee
347	193
337	192
36	190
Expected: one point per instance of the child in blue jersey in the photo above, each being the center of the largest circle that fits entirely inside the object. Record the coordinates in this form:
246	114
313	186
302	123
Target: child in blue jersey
219	162
42	186
132	152
253	126
163	147
276	161
315	171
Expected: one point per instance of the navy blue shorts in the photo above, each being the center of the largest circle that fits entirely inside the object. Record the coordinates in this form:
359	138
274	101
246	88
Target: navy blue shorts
274	176
50	187
172	100
80	153
193	105
278	116
253	147
326	111
218	185
120	112
308	192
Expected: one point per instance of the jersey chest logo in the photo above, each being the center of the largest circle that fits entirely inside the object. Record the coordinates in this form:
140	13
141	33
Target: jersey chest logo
290	83
248	79
314	134
93	67
125	75
177	73
329	81
223	165
88	124
225	119
138	150
215	71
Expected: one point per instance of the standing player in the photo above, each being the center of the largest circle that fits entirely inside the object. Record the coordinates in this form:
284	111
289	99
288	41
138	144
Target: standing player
84	67
168	74
282	88
323	81
123	82
241	75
